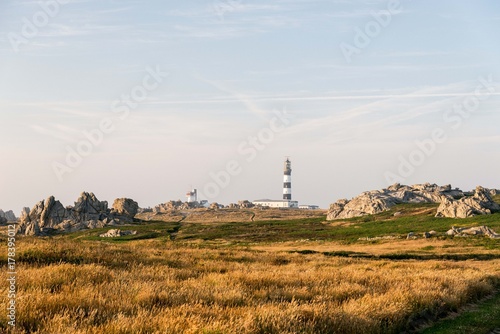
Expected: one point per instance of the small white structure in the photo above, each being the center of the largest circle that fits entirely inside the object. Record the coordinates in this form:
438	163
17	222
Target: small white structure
309	207
276	203
192	196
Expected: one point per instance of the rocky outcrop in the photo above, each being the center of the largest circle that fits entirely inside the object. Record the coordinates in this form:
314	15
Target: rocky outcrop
144	210
411	235
365	204
89	208
245	204
44	215
171	206
117	233
87	213
468	231
372	202
174	205
32	228
125	208
479	204
9	216
49	213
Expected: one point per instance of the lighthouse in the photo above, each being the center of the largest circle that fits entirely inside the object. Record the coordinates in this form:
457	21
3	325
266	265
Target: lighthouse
287	181
192	196
286	202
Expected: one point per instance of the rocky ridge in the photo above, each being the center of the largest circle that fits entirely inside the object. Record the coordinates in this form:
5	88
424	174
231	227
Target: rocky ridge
468	231
179	205
7	216
454	202
480	203
175	205
87	213
376	201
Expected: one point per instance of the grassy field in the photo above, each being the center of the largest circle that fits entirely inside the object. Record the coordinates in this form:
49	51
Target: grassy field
473	319
299	275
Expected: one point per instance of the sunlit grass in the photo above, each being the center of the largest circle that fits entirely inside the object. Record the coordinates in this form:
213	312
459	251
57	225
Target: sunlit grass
270	276
154	286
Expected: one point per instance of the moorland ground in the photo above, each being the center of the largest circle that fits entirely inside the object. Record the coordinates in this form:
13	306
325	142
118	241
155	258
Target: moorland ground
263	273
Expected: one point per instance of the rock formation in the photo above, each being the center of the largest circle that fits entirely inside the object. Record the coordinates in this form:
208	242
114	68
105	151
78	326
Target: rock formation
87	213
88	208
467	231
9	216
125	208
245	204
117	233
45	214
176	205
372	202
479	204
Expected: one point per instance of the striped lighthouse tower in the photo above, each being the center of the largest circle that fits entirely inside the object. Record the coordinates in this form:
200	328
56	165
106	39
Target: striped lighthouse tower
287	181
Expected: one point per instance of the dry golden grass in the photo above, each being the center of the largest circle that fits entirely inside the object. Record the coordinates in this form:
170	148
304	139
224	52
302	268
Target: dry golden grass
68	286
419	246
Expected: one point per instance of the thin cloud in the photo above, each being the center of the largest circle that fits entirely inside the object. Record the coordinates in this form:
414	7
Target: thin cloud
246	100
56	134
238	97
390	110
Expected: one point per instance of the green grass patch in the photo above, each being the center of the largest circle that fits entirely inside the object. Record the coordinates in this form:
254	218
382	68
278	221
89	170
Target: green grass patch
405	256
145	230
416	218
481	319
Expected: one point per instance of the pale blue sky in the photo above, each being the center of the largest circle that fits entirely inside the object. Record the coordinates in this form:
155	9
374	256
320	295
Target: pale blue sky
231	64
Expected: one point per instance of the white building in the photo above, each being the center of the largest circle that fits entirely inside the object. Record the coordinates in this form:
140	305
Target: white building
192	196
309	207
276	203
